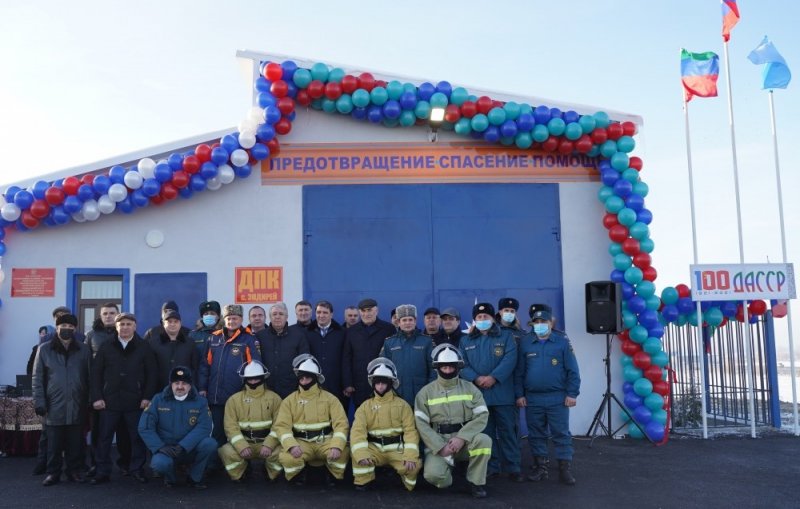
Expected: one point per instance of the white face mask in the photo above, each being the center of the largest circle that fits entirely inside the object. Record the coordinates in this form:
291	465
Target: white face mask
181	398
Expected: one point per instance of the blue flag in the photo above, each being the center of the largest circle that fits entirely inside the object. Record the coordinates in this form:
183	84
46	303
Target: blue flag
776	73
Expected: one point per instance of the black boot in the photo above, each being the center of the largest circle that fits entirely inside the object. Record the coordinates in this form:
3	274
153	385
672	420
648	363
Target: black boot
539	472
564	474
477	491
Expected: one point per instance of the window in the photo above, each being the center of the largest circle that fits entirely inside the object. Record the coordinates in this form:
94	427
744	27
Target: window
88	289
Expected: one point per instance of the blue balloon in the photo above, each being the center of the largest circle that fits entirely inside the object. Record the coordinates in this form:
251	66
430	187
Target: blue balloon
375	114
359	113
262	84
609	177
656	331
271	115
556	113
634	202
289	67
265	100
197	182
670	312
125	206
243	171
72	204
636	304
208	170
60	215
291	89
175	161
116	175
85	192
138	198
644	216
622	188
729	308
508	129
259	152
220	156
541	114
444	87
627	387
642	414
627	290
38	189
408	100
265	132
632	400
648	318
491	134
162	173
11	192
685	305
426	90
23	199
617	276
186	192
391	109
230	142
151	187
654	431
525	122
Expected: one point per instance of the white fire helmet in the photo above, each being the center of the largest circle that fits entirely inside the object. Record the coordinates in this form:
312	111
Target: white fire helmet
447	354
383	367
253	369
307	363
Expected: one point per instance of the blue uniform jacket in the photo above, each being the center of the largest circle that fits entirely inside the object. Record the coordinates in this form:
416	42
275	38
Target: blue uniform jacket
547	367
412	357
167	421
494	354
220	363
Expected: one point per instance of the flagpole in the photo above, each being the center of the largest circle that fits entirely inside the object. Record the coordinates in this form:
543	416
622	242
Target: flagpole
701	352
748	336
785	259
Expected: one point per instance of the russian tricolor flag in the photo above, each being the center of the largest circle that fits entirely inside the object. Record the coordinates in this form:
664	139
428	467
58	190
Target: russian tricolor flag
730	16
699	74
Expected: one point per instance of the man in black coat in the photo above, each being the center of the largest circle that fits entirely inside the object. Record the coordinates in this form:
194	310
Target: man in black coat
61	394
326	342
362	343
123	382
156	330
172	348
280	344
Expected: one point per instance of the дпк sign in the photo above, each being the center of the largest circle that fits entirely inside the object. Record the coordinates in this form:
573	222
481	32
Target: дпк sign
746	281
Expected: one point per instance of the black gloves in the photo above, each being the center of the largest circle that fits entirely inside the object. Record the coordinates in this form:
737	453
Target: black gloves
173	451
40	411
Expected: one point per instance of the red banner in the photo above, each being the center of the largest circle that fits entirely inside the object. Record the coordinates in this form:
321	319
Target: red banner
33	282
255	285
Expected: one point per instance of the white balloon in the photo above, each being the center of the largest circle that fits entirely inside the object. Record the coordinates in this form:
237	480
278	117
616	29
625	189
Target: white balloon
225	174
106	205
2	201
147	167
78	217
213	184
133	179
90	210
248	126
239	157
2	276
117	192
10	212
247	139
257	114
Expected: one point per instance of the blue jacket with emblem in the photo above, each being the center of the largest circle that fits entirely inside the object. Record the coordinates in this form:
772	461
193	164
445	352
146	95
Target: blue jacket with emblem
167	421
547	367
494	354
411	354
222	358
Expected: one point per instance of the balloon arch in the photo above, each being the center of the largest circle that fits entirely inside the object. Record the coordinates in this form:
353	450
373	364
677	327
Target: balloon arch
281	87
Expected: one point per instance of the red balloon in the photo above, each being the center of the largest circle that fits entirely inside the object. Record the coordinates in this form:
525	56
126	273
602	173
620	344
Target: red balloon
683	290
756	307
71	185
649	273
87	179
452	113
599	136
157	200
349	84
641	360
274	146
624	335
484	104
333	91
550	144
180	179
366	81
215	145
286	105
740	313
381	83
614	131
279	89
653	373
283	126
191	164
642	260
315	89
469	109
628	128
584	144
54	195
631	348
168	191
661	387
565	147
39	209
630	246
498	104
302	98
618	233
610	220
203	153
273	71
635	162
28	219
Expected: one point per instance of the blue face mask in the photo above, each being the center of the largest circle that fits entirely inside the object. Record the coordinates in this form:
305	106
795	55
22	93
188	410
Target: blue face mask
509	317
541	329
483	324
209	320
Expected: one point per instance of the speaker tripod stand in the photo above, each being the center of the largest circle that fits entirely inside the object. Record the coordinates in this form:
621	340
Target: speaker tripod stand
605	406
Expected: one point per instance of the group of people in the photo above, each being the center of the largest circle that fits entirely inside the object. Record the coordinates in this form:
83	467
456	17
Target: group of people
222	394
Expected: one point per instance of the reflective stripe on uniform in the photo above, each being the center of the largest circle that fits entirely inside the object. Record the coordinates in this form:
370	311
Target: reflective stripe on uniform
412	446
422	416
236	439
273	434
479	452
341	435
359	445
387	447
410	482
311	427
285	436
290	470
384	432
480	409
233	465
275	466
255	425
338	465
363	470
450	399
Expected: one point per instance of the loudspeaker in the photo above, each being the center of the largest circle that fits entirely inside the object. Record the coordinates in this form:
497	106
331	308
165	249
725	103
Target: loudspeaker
603	307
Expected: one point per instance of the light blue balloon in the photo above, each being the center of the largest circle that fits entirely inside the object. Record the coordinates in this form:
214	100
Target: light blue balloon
335	75
633	275
625	360
523	140
512	110
669	294
328	106
573	131
462	126
458	96
643	387
614	204
601	119
659	415
659	358
556	126
639	231
626	144
646	245
319	71
395	89
479	122
588	123
651	346
496	116
619	161
604	192
525	108
634	432
360	97
614	248
422	110
344	104
593	152
631	374
645	289
631	176
540	133
638	334
654	401
622	261
438	100
301	78
379	96
629	319
608	148
626	216
640	188
653	302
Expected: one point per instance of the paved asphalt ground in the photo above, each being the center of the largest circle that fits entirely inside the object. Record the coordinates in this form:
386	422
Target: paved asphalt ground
687	472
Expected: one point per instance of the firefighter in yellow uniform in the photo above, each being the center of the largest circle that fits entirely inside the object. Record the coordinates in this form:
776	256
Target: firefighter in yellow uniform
248	421
383	431
450	414
311	425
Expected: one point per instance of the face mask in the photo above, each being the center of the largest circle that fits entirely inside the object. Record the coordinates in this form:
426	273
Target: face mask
181	398
541	329
254	383
308	385
509	317
66	334
483	325
209	320
386	381
448	376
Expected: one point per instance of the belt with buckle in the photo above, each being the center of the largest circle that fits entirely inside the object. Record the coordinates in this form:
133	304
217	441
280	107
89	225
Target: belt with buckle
445	429
384	441
312	434
255	434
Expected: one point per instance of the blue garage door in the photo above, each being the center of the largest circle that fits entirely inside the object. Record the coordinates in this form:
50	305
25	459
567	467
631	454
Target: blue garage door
187	289
432	245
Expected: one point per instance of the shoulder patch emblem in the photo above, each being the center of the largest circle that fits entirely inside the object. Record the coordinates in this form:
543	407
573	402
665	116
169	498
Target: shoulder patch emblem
192	420
554	361
498	351
236	350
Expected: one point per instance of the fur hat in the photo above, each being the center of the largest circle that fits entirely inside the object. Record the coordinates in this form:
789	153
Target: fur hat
232	309
67	319
404	310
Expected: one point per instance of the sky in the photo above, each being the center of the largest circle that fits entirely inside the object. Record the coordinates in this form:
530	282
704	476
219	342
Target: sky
83	81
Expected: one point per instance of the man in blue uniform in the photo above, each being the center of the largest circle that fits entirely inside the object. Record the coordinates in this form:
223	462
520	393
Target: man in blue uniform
490	357
410	351
176	427
547	385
